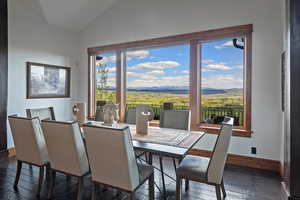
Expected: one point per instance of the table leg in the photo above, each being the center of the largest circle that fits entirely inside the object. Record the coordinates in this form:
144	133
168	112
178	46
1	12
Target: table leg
150	158
162	176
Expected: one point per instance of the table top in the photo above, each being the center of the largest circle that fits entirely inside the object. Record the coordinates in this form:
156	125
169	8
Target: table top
162	141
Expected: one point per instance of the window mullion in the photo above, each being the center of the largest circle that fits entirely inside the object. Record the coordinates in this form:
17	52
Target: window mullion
194	82
121	82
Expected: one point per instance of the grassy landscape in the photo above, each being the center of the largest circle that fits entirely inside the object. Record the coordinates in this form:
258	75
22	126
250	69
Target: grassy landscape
158	98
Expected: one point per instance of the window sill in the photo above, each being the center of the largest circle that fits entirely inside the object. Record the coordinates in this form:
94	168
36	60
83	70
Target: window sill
239	132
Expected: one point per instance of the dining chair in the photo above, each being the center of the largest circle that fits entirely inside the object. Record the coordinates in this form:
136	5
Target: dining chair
99	111
30	146
41	113
67	152
113	162
177	119
207	170
130	116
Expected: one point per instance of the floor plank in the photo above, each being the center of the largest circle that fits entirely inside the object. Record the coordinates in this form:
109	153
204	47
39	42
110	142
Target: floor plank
241	183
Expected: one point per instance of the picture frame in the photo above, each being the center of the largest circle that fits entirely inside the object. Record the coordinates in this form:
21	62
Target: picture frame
47	81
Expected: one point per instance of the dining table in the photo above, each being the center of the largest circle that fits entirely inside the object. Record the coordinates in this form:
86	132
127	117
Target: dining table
159	141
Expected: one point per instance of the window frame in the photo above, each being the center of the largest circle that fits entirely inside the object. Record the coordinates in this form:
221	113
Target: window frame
194	72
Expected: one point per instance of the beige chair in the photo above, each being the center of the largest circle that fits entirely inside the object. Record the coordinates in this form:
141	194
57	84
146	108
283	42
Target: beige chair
41	113
178	119
30	146
207	170
113	162
67	152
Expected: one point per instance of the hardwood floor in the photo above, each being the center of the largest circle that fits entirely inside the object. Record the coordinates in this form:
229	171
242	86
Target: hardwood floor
240	182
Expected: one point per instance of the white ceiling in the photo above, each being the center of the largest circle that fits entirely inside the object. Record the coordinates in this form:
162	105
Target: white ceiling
73	15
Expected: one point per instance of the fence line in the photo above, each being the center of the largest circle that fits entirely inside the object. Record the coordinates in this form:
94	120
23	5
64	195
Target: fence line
206	112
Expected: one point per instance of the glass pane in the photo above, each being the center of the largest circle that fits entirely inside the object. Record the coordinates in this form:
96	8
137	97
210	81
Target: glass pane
158	76
106	77
48	80
222	81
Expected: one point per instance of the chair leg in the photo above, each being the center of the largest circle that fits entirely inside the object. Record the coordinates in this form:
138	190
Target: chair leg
178	188
18	173
174	164
162	176
218	192
151	187
94	191
80	187
41	179
131	196
52	184
223	189
187	185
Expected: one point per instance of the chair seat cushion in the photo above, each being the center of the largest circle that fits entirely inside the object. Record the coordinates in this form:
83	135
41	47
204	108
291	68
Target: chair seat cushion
145	171
193	168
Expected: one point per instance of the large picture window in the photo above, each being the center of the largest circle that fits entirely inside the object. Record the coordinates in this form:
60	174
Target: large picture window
156	76
207	72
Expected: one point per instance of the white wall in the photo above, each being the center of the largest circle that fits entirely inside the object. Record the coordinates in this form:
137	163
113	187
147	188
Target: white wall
133	20
32	39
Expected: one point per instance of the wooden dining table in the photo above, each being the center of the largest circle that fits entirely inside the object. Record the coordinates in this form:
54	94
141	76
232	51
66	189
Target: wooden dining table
163	142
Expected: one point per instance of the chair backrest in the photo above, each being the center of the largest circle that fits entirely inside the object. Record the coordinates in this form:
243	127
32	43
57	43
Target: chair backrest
178	119
130	116
112	158
66	147
218	159
29	140
41	113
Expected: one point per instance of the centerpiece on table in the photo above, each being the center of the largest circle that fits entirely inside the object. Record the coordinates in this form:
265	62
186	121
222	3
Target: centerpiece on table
111	113
143	116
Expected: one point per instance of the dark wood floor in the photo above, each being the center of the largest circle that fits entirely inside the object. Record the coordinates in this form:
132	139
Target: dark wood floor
240	183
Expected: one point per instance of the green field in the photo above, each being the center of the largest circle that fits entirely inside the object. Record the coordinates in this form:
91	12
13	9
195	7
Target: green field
155	98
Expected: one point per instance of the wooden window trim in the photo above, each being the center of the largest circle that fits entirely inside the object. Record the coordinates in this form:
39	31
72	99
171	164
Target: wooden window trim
195	100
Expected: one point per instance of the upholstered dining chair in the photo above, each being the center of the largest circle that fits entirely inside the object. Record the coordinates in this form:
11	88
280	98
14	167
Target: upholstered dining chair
67	152
130	115
113	162
30	146
41	113
207	170
177	119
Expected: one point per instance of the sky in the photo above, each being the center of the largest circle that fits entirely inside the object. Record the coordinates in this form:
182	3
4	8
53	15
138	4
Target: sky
222	66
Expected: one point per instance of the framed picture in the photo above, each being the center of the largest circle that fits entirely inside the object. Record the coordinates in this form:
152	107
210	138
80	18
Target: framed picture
47	81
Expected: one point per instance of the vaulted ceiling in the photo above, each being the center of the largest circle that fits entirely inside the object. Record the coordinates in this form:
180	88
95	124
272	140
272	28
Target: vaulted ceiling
73	15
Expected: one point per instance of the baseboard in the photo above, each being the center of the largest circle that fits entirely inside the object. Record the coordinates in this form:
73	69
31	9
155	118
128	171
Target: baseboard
8	153
259	163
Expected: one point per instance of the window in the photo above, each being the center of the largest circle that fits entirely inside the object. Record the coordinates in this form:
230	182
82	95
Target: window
222	81
105	70
208	72
156	76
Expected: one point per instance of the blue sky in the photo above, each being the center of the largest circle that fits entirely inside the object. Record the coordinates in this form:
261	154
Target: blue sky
222	66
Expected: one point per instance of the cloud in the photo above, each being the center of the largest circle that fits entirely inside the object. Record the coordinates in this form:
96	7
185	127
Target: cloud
218	67
140	75
139	54
226	44
222	81
207	61
156	72
155	65
106	59
185	71
168	81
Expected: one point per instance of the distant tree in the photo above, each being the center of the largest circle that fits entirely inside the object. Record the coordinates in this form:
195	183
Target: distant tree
102	86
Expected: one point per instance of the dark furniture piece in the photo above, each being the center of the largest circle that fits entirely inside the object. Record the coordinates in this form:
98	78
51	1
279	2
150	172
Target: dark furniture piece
291	172
3	74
